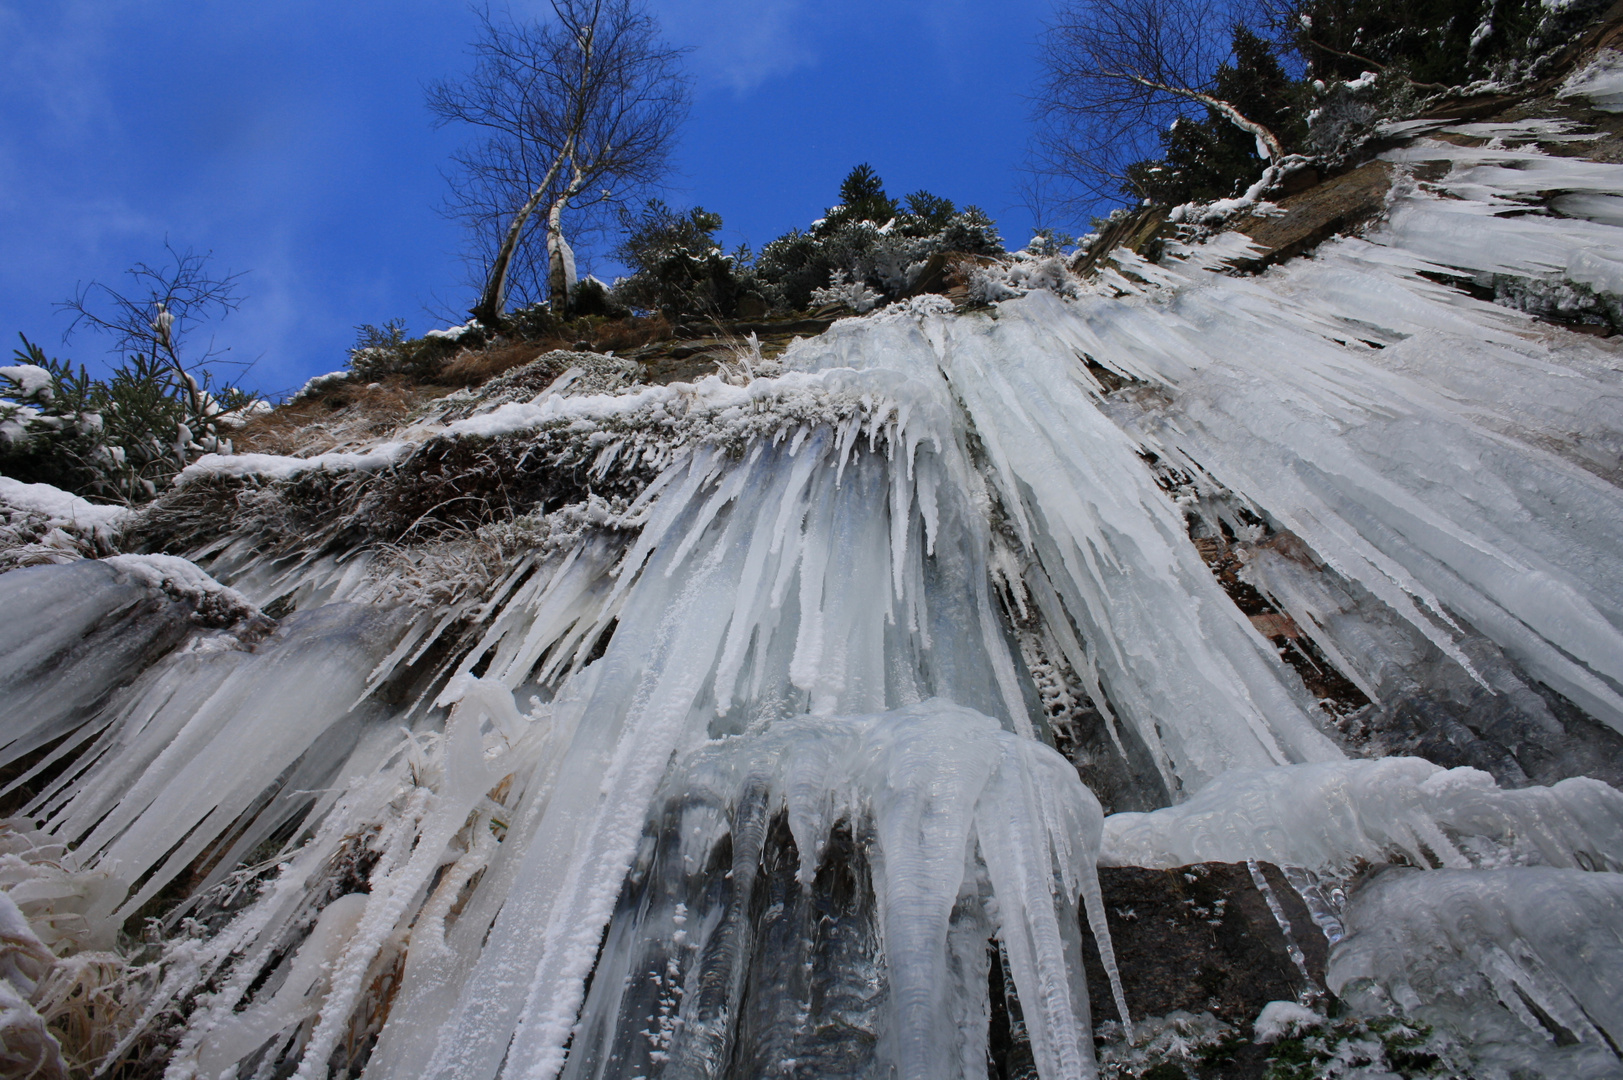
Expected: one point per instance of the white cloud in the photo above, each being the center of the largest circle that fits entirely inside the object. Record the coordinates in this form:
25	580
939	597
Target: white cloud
738	44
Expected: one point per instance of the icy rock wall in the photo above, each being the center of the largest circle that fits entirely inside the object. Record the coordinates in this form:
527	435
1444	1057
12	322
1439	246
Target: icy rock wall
734	614
810	622
1102	553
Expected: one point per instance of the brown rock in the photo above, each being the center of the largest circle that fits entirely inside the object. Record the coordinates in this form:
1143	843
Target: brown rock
1338	205
1139	232
1202	939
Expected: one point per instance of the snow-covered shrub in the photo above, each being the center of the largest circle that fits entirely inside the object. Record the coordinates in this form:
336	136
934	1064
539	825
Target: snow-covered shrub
1345	112
591	297
49	432
317	385
381	351
870	239
41	524
843	291
1023	272
1554	298
121	439
887	257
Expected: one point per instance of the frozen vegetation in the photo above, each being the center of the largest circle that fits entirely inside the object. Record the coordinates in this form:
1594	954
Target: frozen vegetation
709	729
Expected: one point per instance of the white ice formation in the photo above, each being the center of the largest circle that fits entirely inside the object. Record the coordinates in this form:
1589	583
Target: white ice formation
1330	815
723	754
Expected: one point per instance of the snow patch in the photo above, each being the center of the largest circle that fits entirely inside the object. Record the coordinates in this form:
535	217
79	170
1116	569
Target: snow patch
32	381
457	333
320	384
279	467
182	579
1600	80
1284	1020
60	508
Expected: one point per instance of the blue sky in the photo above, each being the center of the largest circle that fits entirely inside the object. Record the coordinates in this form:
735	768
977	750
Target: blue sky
289	137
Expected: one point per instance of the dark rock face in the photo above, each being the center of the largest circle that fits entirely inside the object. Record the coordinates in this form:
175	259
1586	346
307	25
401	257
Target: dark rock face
1203	938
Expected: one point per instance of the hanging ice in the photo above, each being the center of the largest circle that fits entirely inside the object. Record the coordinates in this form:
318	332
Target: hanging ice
723	753
952	809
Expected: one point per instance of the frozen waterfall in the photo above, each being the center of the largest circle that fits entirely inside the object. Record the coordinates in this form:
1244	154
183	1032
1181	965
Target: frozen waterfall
770	730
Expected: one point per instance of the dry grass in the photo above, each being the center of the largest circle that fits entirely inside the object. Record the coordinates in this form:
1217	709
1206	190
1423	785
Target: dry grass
350	416
473	368
627	334
346	417
469	368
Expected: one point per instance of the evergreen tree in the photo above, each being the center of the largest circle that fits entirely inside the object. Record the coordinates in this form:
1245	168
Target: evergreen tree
678	266
1433	45
1209	158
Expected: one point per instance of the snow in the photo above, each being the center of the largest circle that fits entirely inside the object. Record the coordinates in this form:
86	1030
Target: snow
322	383
558	249
58	507
279	467
848	293
31	380
180	579
456	333
1284	1019
1251	201
1600	81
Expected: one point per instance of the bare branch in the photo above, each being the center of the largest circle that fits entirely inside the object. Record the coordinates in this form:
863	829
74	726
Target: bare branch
157	317
1117	73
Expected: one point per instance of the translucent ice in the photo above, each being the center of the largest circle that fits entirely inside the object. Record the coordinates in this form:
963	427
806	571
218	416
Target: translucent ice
1329	815
948	798
627	792
1527	964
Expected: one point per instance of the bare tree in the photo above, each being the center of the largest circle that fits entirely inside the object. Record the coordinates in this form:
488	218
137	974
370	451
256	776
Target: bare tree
157	318
1117	72
578	111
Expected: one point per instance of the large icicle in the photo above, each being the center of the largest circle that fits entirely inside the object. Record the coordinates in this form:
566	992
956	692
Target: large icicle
718	533
1199	684
944	798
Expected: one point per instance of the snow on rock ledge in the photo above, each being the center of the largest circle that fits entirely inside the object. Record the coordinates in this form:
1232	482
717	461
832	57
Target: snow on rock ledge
279	467
181	579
